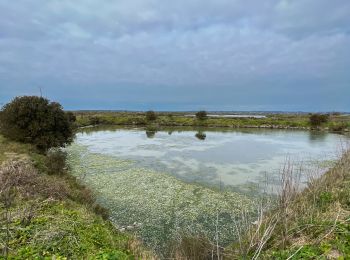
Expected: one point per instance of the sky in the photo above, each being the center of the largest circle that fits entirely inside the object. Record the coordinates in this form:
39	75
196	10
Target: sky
285	55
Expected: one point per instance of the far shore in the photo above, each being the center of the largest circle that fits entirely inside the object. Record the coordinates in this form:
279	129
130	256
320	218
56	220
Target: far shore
297	121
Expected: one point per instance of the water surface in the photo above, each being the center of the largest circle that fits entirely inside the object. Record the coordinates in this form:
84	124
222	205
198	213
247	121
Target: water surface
209	156
192	181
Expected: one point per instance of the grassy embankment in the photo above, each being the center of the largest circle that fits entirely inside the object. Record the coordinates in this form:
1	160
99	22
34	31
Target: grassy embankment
313	224
283	121
45	214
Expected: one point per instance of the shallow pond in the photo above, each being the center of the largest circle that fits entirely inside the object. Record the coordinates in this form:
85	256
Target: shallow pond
180	180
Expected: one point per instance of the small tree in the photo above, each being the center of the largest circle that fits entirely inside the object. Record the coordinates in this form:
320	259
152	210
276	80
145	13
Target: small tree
151	115
36	120
201	115
317	120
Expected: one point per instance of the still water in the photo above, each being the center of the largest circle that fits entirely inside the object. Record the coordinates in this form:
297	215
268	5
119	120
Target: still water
214	157
160	184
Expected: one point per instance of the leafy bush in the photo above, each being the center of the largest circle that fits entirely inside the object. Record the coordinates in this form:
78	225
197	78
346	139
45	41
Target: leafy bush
94	120
71	117
36	120
56	161
337	127
318	119
151	115
201	115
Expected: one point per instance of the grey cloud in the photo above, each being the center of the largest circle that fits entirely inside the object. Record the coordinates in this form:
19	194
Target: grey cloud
176	48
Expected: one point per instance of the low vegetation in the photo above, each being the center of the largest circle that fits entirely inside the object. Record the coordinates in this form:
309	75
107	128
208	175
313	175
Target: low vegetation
316	120
335	122
313	224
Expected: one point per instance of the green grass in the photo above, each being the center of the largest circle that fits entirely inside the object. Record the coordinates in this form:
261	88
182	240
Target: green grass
52	216
64	230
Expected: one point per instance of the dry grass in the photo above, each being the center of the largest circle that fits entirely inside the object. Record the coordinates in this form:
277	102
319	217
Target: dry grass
308	223
194	247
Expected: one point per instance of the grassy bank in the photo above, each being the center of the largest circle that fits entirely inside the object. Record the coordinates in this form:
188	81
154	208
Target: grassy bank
47	214
313	224
337	122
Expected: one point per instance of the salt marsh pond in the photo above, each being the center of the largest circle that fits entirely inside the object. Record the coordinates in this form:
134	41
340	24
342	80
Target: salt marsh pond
161	184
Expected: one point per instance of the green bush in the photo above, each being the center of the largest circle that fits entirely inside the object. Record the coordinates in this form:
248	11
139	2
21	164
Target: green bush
94	120
201	115
151	115
317	120
36	120
338	127
56	161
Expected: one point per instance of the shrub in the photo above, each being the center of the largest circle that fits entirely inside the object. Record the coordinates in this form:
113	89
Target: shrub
71	117
56	161
94	120
201	115
338	127
151	115
318	119
36	120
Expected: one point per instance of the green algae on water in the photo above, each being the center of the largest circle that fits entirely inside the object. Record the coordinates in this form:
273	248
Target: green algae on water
162	206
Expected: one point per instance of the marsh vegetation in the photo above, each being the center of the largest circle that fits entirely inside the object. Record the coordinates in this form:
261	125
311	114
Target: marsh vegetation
334	122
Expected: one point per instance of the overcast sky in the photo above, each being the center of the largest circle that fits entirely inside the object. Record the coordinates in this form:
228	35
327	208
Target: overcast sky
289	55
